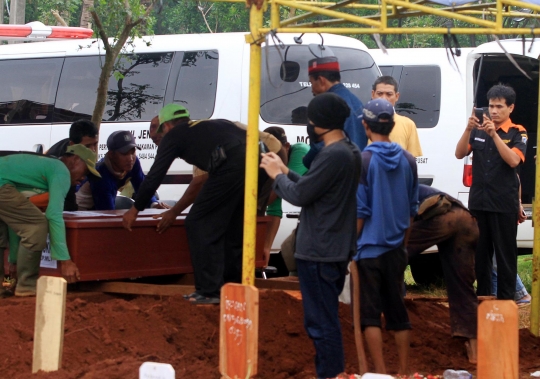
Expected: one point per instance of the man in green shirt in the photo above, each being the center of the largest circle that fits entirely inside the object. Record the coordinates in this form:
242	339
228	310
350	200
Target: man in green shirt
23	178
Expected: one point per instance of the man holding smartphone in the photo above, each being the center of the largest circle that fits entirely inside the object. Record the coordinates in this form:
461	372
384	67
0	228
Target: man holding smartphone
499	148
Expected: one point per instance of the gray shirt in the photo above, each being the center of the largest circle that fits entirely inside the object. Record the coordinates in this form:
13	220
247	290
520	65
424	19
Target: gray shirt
327	195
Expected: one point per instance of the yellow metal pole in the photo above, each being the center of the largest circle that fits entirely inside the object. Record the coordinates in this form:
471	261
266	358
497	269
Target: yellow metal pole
318	29
252	147
535	292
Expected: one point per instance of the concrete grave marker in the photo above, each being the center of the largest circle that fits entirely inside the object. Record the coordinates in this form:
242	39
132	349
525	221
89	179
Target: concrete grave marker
154	370
49	324
498	340
239	331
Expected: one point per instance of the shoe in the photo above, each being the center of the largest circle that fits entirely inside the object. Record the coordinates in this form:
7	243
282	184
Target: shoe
187	297
27	293
201	299
524	300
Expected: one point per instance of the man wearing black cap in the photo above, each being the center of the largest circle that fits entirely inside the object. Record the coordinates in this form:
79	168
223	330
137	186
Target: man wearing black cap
119	167
326	235
324	76
387	201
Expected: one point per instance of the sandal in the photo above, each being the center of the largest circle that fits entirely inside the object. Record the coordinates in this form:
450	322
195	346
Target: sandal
201	299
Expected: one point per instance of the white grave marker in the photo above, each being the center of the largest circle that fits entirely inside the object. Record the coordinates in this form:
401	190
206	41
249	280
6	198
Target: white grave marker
154	370
49	324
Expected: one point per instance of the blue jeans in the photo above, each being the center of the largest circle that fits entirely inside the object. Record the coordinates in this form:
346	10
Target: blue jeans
521	291
320	285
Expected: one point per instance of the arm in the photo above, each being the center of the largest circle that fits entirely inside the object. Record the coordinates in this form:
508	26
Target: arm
59	184
508	155
359	226
166	154
103	191
188	198
137	177
462	148
408	232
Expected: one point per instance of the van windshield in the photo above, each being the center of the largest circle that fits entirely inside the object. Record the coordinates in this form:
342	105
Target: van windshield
282	102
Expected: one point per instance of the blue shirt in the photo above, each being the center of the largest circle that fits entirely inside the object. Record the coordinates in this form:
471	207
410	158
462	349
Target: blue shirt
387	198
353	124
104	190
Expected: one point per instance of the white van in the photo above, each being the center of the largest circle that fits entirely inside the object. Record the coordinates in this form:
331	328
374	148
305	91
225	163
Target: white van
48	85
437	92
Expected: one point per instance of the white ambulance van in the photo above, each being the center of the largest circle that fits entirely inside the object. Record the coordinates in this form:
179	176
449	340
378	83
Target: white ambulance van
437	91
48	85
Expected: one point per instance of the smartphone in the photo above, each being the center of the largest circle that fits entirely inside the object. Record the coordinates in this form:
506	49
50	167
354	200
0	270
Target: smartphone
479	114
486	112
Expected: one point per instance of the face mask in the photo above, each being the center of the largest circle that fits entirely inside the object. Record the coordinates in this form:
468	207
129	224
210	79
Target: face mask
313	137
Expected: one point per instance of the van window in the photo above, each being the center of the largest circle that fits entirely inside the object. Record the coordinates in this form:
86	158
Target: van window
28	89
197	83
419	93
136	89
282	102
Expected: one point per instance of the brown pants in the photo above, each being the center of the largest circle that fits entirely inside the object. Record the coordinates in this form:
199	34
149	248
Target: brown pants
456	234
24	218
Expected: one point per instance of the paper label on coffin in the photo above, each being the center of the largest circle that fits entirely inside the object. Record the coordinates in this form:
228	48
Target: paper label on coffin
46	259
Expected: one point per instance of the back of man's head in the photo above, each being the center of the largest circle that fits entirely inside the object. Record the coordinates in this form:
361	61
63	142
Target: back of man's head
80	129
279	133
327	67
385	79
502	91
378	114
328	111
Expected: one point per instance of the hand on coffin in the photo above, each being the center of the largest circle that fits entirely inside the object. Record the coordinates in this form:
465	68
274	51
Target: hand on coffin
167	219
129	218
70	272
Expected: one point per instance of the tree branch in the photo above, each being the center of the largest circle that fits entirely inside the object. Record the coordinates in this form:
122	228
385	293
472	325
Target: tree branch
101	31
59	18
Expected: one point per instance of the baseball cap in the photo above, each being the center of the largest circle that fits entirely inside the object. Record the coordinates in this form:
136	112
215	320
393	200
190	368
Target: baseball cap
87	155
171	112
121	141
378	110
323	64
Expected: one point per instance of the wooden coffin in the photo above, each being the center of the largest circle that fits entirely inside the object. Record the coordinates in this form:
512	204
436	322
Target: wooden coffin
103	249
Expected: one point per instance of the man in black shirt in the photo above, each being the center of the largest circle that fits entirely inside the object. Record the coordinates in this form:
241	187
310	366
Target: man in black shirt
499	148
82	132
326	235
215	222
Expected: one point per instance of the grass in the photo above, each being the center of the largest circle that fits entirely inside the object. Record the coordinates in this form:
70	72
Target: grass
524	272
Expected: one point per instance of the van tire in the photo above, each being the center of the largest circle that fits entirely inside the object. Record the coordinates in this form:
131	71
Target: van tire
426	270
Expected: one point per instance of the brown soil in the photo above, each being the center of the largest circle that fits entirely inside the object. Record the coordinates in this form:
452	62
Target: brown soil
111	336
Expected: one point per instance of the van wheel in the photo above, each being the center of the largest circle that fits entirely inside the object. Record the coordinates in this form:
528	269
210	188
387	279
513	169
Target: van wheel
426	270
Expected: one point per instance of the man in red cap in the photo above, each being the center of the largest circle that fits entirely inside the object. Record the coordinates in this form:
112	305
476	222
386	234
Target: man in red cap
324	76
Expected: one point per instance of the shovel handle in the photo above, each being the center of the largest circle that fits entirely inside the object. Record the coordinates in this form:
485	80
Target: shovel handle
362	364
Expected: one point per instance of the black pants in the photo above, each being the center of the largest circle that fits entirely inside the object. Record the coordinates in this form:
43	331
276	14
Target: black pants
215	226
498	232
456	234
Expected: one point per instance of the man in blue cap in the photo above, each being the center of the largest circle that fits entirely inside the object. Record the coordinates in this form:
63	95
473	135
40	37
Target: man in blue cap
387	201
215	222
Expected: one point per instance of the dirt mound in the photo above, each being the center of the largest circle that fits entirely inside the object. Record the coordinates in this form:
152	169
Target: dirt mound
111	336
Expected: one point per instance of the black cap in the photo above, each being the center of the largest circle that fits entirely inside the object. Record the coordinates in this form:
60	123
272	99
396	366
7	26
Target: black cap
121	141
328	111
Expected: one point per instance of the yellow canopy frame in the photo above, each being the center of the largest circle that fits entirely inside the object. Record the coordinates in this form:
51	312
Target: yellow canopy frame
485	18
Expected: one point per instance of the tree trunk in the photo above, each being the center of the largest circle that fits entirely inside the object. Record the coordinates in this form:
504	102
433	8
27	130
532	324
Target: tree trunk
111	55
86	17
